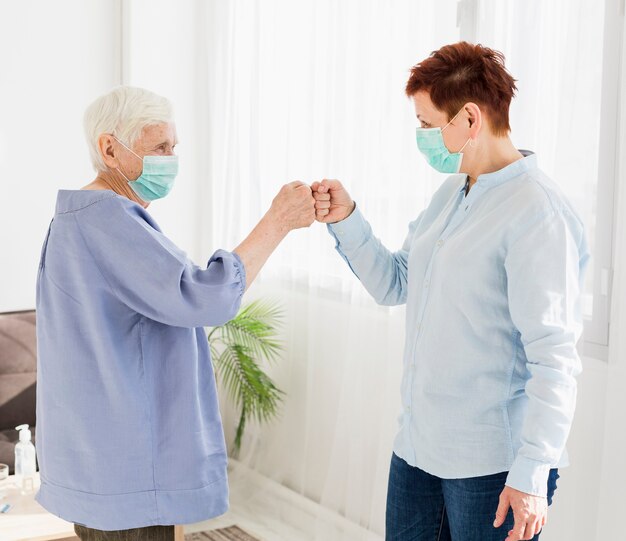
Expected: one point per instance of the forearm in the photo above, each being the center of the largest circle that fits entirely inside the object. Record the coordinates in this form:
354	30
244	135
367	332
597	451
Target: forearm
551	392
256	248
382	272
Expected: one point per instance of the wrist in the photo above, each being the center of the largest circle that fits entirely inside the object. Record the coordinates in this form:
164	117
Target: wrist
275	225
351	208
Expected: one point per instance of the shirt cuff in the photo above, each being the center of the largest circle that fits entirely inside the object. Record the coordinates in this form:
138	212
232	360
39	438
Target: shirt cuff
239	267
350	232
529	476
241	272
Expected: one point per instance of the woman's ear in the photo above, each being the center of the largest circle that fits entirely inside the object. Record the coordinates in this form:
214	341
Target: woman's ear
107	150
474	118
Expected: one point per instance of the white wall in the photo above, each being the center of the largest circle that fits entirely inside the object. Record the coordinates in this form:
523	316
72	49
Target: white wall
56	58
161	58
612	500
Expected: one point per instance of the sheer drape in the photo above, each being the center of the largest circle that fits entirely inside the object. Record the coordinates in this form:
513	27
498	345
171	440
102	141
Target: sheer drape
278	90
554	49
303	91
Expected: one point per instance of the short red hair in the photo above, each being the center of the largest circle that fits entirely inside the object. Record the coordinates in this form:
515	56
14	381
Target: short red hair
463	72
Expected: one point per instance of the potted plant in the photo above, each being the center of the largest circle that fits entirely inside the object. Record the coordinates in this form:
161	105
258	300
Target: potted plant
238	349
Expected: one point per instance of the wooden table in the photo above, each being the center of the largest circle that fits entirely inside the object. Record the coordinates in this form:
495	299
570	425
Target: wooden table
28	521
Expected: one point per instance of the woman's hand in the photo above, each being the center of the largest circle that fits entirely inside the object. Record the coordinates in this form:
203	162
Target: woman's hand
332	202
293	207
530	512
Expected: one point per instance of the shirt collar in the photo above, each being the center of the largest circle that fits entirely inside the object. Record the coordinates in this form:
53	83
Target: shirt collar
527	163
70	200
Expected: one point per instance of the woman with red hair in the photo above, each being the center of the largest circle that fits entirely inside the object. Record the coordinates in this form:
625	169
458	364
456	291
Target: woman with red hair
491	273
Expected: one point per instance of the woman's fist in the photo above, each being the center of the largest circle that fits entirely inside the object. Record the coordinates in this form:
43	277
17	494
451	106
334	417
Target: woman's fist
332	201
294	206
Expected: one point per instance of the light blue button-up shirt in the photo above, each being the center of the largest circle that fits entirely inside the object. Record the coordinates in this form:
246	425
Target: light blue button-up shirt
492	282
128	427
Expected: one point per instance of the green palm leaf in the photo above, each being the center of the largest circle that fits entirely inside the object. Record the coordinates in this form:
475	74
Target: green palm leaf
238	348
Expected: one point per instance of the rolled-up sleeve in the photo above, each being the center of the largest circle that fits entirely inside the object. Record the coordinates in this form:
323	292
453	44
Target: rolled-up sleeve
152	276
382	272
545	268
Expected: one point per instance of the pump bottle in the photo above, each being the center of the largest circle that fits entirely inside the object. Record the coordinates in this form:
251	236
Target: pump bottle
25	462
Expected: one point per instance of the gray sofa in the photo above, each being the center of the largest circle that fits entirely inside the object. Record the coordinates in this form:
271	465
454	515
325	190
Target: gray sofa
18	375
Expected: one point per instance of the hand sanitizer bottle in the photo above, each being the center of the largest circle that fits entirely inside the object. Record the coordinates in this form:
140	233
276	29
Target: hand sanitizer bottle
25	465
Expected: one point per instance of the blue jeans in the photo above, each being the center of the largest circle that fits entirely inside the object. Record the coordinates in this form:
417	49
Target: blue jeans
422	507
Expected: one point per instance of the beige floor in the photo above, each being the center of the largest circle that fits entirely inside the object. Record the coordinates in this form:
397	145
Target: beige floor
271	512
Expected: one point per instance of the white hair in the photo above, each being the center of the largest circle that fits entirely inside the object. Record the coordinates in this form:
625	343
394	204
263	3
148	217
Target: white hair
124	112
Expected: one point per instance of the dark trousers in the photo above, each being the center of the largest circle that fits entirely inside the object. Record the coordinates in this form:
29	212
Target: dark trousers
149	533
422	507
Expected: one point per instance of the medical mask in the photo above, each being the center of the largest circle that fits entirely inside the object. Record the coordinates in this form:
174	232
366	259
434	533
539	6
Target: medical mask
431	145
157	177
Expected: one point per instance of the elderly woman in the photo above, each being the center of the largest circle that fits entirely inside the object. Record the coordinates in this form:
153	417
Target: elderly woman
129	433
491	273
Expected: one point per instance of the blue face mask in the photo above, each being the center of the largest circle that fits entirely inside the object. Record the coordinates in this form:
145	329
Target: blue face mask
157	177
431	145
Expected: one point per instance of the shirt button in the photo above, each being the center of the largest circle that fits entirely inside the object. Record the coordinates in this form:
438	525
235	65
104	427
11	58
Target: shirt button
439	243
418	327
408	409
426	282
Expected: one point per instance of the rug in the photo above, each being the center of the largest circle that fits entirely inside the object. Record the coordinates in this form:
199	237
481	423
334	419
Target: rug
232	533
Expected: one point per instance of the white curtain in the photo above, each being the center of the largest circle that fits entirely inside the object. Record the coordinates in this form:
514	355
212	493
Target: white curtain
555	51
278	90
302	91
